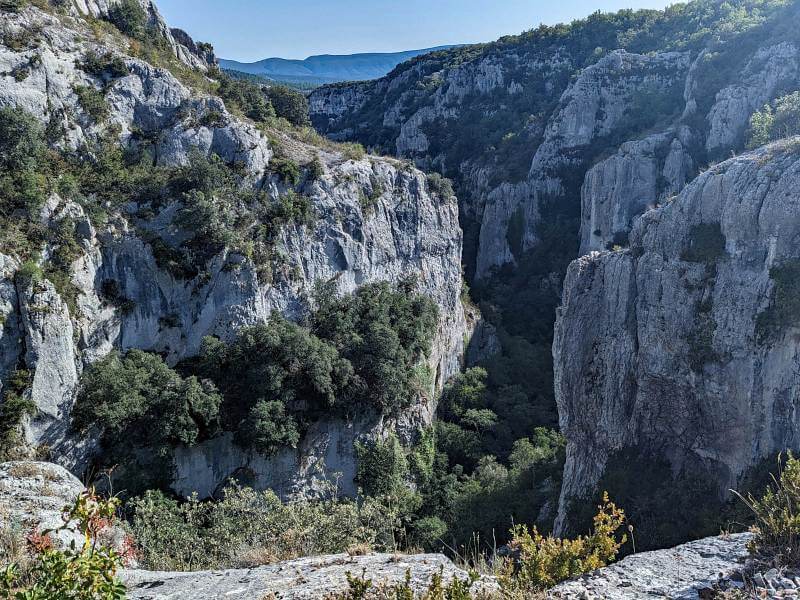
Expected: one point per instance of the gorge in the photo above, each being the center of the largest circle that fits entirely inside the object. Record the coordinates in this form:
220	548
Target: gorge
477	292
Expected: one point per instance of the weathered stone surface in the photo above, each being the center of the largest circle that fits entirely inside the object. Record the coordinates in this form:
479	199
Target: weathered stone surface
617	190
771	69
50	357
305	578
33	496
678	573
669	348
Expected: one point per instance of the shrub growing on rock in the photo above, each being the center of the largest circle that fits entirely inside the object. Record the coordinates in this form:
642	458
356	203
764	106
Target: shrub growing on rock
545	561
84	572
138	402
289	104
775	121
246	97
777	517
129	17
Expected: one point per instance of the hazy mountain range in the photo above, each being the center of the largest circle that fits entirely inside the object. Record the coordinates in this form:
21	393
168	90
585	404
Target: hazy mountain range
327	68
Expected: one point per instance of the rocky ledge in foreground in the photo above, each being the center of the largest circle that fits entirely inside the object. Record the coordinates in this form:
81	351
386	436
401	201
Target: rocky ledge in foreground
305	578
679	573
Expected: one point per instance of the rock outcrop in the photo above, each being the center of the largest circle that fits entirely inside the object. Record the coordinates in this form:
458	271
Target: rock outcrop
407	229
685	345
305	578
680	573
33	496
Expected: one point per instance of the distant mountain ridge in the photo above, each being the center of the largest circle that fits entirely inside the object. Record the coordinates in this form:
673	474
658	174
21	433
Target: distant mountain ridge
327	68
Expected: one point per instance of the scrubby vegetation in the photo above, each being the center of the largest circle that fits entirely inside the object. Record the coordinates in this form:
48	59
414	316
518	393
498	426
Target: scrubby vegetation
775	121
13	409
777	517
86	571
289	104
248	528
138	401
359	353
545	561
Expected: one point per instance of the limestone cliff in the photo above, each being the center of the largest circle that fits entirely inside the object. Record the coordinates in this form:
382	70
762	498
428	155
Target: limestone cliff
536	120
408	228
684	346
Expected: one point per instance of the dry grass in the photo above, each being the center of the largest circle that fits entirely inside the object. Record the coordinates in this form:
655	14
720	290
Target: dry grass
361	549
26	470
255	557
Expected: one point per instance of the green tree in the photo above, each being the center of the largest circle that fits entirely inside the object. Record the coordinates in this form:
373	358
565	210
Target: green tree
129	17
777	121
141	404
247	97
289	104
384	333
270	374
22	151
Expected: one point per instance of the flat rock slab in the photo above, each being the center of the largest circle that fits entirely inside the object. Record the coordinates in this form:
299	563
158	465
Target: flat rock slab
677	573
304	578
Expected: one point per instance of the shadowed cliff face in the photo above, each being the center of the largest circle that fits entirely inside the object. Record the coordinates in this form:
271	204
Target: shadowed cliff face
685	346
373	220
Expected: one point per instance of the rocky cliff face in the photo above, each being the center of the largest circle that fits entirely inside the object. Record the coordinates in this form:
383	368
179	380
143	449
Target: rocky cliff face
533	120
408	229
684	345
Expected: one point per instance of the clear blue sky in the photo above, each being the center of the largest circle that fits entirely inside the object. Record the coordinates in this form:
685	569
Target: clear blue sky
249	30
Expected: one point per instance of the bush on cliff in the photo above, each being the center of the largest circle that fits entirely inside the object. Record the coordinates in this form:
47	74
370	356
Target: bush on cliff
289	104
137	401
777	517
775	121
545	561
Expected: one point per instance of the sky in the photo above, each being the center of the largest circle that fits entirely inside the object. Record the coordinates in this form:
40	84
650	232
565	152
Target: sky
249	30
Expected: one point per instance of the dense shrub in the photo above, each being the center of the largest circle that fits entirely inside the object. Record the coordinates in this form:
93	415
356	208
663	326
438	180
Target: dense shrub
248	528
143	409
384	333
129	17
545	561
246	97
479	508
269	374
287	169
22	150
14	407
104	65
775	121
289	104
382	467
92	102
